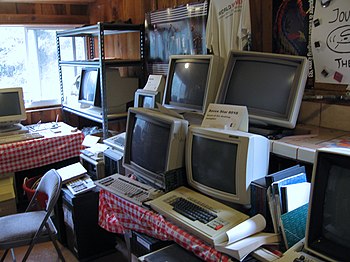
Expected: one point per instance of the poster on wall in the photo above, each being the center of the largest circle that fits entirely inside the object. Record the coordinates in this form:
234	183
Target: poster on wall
331	41
292	30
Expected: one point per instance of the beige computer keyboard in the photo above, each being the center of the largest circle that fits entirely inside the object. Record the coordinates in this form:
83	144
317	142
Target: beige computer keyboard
19	137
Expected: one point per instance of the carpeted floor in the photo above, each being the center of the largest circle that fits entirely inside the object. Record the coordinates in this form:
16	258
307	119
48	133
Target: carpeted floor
45	252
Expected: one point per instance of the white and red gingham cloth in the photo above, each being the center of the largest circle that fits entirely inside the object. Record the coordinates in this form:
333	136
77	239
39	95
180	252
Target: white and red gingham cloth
40	152
118	215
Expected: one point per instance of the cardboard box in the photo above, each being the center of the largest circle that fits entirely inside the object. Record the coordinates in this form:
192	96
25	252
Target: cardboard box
6	189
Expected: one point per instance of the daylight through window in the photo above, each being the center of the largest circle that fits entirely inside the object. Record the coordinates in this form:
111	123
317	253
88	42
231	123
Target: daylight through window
29	59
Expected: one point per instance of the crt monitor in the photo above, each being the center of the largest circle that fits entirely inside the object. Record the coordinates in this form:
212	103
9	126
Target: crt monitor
119	90
147	99
327	229
89	86
270	85
154	144
221	163
192	82
12	110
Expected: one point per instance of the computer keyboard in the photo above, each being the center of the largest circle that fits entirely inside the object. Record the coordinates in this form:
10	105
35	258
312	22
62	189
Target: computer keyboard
128	188
198	214
80	185
192	211
19	137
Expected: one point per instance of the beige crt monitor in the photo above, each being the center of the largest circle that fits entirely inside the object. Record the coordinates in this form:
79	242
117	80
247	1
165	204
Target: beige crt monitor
12	110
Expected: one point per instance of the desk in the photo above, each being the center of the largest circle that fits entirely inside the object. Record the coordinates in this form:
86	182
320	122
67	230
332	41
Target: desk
118	215
303	147
52	148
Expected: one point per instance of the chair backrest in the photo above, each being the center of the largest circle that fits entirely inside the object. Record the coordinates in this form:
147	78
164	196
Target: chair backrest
50	184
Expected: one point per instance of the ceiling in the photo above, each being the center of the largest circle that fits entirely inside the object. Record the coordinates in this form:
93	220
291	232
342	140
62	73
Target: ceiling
50	1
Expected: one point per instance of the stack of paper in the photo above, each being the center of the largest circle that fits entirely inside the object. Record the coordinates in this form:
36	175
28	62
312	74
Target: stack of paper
247	237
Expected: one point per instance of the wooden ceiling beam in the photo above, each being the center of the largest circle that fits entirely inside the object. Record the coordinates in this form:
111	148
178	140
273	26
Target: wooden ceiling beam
49	1
43	19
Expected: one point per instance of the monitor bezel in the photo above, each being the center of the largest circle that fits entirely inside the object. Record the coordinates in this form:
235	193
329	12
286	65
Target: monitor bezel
176	144
314	242
213	79
262	117
140	95
97	96
5	120
247	162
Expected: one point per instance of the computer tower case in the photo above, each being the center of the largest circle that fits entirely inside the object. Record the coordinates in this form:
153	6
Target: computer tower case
85	238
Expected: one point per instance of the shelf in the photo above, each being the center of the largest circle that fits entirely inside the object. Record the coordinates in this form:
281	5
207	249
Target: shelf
94	117
94	37
96	63
95	30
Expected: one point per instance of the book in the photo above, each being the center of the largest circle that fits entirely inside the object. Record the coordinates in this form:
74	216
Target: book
71	172
274	197
279	175
294	196
246	237
259	190
240	249
293	225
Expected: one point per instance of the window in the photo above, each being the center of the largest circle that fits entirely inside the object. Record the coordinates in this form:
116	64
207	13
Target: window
28	58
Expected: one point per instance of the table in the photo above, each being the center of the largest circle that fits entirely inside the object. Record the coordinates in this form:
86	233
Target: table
302	147
118	215
56	145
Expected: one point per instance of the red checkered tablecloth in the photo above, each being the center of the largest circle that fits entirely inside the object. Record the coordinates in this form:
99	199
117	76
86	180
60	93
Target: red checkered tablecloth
118	215
40	152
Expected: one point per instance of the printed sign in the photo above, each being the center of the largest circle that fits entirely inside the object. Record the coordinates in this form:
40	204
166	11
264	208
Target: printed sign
226	117
330	42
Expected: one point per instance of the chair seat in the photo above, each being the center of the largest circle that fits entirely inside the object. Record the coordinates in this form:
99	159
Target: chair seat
22	226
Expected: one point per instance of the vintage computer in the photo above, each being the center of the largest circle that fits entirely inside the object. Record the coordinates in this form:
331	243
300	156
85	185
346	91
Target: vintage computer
220	165
154	145
270	85
154	154
12	110
327	236
192	83
152	93
119	92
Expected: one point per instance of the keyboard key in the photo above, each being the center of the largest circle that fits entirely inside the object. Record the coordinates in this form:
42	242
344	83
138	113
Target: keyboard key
192	211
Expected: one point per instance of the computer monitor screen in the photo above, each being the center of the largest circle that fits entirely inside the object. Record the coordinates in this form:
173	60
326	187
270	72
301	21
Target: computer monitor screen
155	143
12	108
192	82
222	163
270	85
119	91
328	231
147	99
89	86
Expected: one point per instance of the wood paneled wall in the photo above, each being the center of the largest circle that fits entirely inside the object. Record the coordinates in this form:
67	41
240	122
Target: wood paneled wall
42	13
123	10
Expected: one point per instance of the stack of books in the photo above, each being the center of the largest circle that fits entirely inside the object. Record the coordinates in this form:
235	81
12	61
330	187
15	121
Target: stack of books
286	194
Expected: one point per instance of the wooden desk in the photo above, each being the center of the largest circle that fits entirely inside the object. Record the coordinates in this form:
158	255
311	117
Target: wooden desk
118	215
54	147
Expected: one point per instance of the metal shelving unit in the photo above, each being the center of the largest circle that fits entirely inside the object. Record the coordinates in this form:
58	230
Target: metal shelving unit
94	37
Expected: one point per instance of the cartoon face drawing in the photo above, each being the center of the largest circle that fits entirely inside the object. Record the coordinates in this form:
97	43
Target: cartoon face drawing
338	40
